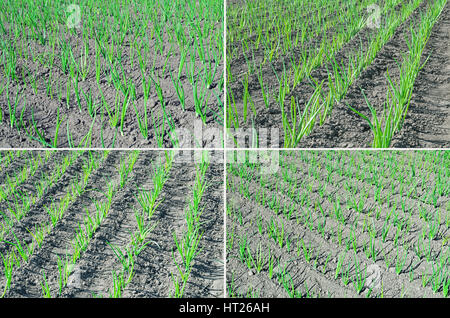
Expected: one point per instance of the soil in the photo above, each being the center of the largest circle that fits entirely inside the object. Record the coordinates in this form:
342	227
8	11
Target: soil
316	277
92	274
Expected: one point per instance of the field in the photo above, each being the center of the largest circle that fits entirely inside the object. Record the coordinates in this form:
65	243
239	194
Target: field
340	224
109	73
337	74
110	224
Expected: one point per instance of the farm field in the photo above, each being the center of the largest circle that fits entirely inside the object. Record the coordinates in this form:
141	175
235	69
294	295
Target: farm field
110	224
340	74
340	224
106	74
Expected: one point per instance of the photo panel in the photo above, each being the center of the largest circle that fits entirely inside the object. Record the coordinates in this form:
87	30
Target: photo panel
111	74
338	224
111	224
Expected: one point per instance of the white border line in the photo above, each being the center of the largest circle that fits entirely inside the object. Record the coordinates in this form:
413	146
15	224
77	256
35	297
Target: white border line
112	149
224	149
